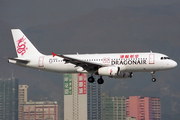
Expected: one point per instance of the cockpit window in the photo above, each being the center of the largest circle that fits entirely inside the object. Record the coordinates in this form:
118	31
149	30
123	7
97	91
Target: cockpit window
164	58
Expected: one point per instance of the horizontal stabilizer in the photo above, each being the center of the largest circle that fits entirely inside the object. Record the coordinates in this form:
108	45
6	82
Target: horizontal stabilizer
18	60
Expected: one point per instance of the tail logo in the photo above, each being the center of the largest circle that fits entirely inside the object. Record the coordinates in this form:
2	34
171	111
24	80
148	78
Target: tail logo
21	46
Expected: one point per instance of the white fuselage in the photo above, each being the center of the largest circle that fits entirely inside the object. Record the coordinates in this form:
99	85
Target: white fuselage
128	62
116	65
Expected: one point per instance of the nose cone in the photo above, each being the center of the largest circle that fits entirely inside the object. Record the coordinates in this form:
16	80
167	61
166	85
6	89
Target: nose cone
173	64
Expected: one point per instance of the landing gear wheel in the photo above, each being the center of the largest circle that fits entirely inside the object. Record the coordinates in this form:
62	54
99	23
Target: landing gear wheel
100	81
91	79
154	79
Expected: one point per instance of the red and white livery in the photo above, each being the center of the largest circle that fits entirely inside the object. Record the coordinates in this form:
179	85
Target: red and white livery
114	65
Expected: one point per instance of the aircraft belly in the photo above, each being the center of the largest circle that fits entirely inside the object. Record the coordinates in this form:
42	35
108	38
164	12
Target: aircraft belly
134	69
61	68
147	68
70	68
141	68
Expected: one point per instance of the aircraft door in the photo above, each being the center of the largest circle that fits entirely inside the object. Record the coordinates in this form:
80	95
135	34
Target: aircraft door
41	62
151	58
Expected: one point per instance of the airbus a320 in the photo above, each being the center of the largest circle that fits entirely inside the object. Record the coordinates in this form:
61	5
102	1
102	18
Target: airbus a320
114	65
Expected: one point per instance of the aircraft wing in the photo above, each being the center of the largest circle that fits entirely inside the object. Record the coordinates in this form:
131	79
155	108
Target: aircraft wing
86	65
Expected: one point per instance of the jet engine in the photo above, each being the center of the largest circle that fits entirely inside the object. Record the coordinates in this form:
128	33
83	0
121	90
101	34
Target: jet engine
108	71
114	72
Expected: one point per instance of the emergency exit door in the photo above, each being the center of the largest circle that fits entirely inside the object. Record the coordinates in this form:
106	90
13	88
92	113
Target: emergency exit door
41	62
151	58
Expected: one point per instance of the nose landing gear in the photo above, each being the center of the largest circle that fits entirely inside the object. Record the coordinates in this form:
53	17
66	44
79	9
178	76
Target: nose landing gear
153	79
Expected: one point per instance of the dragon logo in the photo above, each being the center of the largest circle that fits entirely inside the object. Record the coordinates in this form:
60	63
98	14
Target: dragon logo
21	46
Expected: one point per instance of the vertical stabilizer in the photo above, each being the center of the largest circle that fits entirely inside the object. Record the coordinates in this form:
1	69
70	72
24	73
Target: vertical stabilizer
24	47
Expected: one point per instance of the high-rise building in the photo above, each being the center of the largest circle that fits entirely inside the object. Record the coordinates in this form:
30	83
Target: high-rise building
156	108
75	97
107	108
94	91
139	107
22	96
9	99
119	108
113	108
40	110
146	108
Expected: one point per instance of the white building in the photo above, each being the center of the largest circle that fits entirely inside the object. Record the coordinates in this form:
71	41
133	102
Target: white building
75	97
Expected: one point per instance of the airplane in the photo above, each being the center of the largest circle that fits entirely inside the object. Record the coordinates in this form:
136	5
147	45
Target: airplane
114	65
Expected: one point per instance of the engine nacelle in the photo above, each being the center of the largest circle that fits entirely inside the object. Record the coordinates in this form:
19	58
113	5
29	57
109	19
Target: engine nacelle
109	71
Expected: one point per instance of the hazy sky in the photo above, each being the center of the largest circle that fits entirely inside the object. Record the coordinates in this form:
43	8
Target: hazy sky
30	13
65	19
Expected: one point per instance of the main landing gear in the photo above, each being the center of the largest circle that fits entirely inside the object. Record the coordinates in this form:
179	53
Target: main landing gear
153	79
91	79
99	81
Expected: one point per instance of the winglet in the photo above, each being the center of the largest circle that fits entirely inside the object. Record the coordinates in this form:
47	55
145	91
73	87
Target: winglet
53	54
